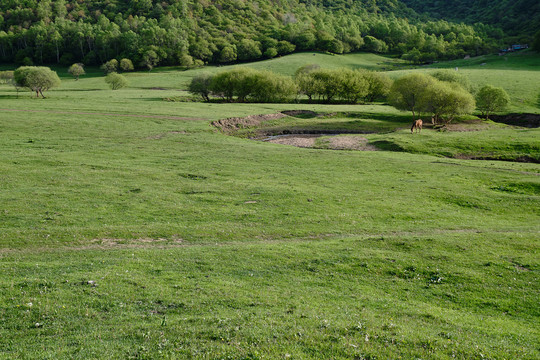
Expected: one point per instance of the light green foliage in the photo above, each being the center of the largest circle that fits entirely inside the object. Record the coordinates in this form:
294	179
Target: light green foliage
200	85
352	85
453	76
232	83
126	65
490	99
378	85
227	54
407	91
331	84
6	77
76	70
423	93
36	78
110	66
246	83
285	47
270	52
116	81
271	87
444	101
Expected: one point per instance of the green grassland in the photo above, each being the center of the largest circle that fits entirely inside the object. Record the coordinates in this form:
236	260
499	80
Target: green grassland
132	228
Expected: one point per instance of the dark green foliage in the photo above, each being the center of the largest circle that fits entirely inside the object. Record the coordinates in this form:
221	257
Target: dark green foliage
536	41
200	85
183	32
518	17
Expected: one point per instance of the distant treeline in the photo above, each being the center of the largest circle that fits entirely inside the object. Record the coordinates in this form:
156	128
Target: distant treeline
519	18
193	32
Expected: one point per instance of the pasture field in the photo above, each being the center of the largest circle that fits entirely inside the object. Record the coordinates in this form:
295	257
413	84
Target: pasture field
131	228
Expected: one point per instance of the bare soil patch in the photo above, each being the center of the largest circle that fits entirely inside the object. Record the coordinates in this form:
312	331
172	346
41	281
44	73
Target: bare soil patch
350	143
298	140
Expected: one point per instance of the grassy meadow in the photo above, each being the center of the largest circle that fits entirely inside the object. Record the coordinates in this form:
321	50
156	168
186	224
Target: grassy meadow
131	228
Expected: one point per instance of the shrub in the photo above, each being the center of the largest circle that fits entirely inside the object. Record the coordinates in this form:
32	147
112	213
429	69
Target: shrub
126	65
110	66
116	81
76	70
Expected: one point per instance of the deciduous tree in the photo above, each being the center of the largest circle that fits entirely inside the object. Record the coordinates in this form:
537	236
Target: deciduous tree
490	98
76	70
36	78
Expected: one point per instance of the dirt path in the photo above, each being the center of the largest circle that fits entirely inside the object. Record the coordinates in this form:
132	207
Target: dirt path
105	114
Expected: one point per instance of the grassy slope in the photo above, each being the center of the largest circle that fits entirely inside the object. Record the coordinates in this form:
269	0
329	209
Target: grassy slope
208	246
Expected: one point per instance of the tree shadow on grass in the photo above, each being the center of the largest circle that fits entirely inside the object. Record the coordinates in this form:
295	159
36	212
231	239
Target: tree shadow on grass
398	118
10	96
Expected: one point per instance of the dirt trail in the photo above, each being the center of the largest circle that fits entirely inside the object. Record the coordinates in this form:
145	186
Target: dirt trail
104	114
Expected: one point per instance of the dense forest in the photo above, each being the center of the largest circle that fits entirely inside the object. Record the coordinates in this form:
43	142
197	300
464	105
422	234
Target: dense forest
520	18
194	32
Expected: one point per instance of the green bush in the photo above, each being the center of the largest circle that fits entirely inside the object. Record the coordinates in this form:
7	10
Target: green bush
490	98
116	81
76	70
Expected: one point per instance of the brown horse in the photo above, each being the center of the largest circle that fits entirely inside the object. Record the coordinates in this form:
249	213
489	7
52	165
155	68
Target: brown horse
417	124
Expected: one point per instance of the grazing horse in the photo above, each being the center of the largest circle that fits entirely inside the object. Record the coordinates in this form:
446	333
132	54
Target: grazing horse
417	124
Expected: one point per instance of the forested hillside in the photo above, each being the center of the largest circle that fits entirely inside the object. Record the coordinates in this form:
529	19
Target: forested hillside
515	17
187	32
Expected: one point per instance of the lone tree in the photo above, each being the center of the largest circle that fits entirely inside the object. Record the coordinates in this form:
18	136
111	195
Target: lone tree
116	81
490	98
76	70
36	78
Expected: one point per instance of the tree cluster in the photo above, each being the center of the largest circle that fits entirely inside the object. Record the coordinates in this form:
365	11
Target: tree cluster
346	85
441	99
517	17
190	32
244	84
321	85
